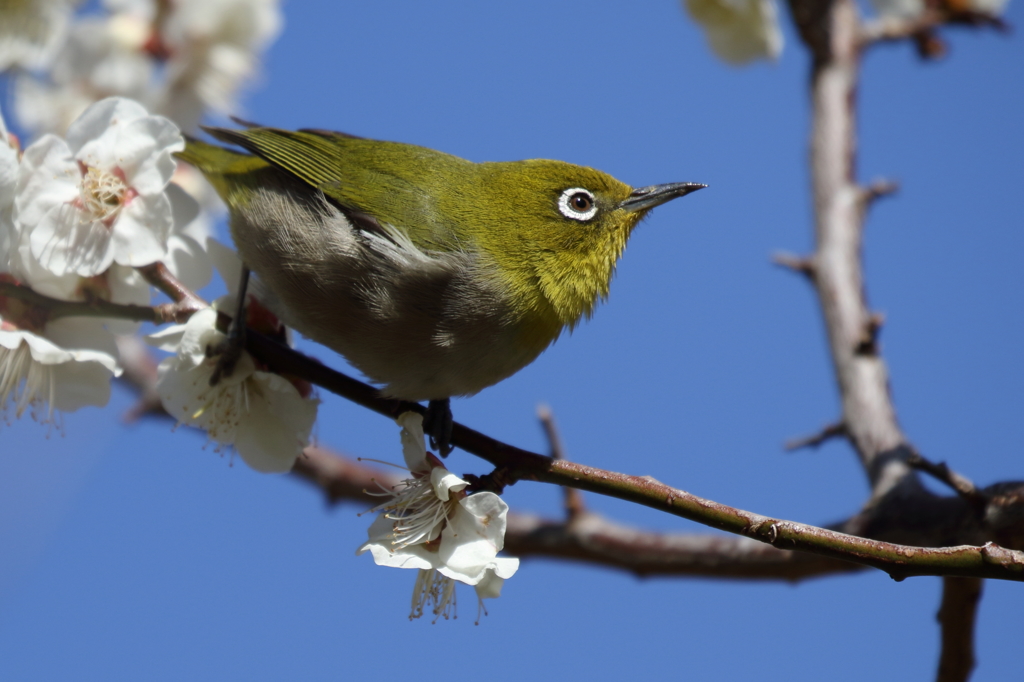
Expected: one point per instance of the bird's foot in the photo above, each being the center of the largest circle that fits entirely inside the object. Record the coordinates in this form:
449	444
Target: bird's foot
437	424
227	351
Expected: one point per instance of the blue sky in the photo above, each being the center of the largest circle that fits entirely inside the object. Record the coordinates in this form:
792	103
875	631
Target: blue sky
131	552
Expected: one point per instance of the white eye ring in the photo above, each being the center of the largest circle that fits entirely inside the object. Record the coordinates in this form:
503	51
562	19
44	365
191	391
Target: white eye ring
568	204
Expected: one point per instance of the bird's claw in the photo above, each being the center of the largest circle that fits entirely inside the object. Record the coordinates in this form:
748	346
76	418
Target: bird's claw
228	351
437	424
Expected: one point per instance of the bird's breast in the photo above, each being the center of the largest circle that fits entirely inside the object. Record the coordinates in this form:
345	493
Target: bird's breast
423	325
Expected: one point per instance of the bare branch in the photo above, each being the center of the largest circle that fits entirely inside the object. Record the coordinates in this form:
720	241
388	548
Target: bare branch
573	498
139	371
53	307
879	189
514	464
593	540
185	300
832	32
959	610
959	484
801	265
889	29
833	430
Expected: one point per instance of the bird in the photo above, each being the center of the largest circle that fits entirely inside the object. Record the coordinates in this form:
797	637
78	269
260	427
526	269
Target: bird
434	276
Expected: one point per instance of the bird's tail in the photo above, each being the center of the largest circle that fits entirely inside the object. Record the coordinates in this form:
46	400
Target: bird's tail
228	171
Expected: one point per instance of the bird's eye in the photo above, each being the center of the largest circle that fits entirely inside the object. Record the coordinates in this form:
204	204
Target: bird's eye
577	203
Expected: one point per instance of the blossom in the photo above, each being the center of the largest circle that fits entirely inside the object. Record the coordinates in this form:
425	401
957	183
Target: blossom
431	524
739	31
30	30
99	198
263	415
9	163
64	363
188	256
100	57
214	47
55	366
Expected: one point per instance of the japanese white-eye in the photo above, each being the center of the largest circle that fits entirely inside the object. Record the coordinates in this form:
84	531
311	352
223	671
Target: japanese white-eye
433	275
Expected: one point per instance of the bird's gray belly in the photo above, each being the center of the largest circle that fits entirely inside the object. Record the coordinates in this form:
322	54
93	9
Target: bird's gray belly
423	326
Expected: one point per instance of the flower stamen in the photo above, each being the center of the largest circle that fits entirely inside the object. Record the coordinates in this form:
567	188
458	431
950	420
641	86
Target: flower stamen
103	194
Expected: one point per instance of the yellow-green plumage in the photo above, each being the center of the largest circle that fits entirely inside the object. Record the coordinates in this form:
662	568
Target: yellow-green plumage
435	276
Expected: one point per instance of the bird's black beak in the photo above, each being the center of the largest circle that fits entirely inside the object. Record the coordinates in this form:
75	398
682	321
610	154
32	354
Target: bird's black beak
646	198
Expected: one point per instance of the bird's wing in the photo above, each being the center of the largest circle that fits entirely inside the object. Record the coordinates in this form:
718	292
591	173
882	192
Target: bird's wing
374	183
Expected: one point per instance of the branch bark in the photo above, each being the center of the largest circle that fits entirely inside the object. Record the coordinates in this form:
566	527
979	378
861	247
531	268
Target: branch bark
957	615
832	31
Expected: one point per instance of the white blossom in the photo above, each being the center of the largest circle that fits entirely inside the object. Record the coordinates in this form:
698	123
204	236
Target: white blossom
99	197
60	364
31	30
9	164
188	256
101	57
263	415
739	31
214	47
179	59
66	365
432	525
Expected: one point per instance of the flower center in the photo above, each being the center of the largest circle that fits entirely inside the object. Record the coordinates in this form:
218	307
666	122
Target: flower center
105	193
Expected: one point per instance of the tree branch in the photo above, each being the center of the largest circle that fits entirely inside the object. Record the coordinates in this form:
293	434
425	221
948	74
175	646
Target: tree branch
514	464
959	610
592	539
832	32
573	499
55	307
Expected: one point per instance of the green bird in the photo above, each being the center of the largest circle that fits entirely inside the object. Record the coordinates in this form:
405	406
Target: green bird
433	275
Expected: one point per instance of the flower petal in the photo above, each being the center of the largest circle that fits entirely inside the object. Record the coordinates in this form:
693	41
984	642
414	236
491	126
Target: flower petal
140	233
413	449
99	119
276	427
64	243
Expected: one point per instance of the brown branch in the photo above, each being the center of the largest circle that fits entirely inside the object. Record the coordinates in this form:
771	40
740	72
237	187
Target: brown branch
185	300
959	610
573	499
832	32
157	274
879	189
959	484
591	539
514	464
56	307
834	430
140	371
890	29
340	478
801	265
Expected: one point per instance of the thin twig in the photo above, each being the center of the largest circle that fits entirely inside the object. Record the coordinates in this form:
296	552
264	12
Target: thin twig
802	265
834	430
961	485
879	189
573	499
185	300
889	29
55	308
957	615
